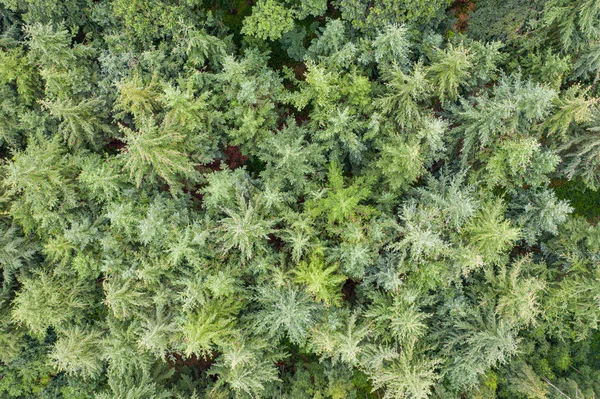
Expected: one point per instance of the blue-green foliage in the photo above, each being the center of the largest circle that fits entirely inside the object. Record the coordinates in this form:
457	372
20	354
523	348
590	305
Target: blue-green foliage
299	199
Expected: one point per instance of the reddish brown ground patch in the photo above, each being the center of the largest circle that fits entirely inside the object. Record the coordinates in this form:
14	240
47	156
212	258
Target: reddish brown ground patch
233	159
349	290
116	144
300	70
462	10
177	361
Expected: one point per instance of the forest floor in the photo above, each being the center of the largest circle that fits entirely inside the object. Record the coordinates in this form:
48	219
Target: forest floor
462	10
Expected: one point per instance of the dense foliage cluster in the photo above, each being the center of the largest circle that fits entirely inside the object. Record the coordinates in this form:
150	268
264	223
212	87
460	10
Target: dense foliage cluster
299	199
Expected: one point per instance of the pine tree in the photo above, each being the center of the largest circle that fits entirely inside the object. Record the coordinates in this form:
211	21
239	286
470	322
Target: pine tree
246	368
269	20
391	46
212	326
341	340
526	382
100	177
76	352
340	204
290	158
540	212
407	375
80	122
517	162
490	233
401	163
396	318
478	342
403	95
323	282
575	107
420	233
16	252
41	178
50	46
155	150
384	12
519	295
285	310
137	383
582	159
138	98
15	68
517	108
50	301
244	229
449	70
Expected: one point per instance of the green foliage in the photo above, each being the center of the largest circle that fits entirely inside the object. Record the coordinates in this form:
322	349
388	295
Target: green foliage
211	326
79	122
293	42
76	352
581	157
245	368
540	212
570	23
15	68
401	164
397	318
156	151
580	197
29	375
480	341
516	111
392	46
384	12
519	162
404	93
137	383
574	108
449	70
340	204
285	310
137	98
489	233
289	158
148	20
41	176
50	46
405	375
321	281
16	252
299	198
50	301
518	302
341	342
269	20
244	229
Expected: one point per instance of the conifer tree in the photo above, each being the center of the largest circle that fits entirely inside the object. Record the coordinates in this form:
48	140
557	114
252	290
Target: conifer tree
50	301
299	198
76	352
320	280
450	69
244	229
156	150
79	122
285	310
490	233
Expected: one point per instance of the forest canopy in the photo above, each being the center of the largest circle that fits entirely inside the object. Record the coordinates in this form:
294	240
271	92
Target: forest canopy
229	199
